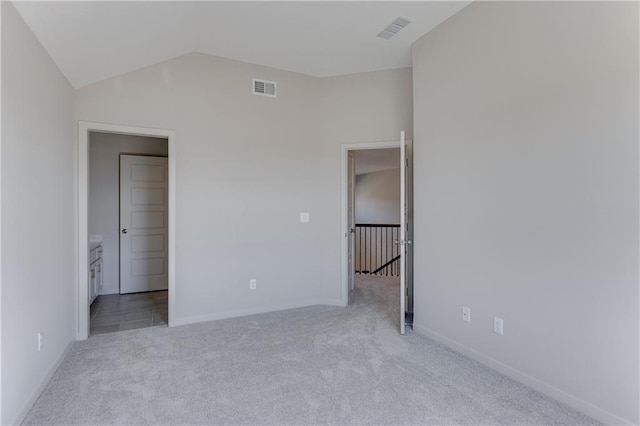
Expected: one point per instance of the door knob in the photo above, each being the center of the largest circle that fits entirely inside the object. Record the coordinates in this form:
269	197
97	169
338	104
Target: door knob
124	231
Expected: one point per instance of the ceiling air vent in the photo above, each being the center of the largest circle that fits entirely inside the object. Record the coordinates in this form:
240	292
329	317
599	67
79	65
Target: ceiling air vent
264	88
394	28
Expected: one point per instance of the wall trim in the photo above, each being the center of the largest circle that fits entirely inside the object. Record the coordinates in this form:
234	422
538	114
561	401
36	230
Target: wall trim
254	311
574	402
84	127
45	381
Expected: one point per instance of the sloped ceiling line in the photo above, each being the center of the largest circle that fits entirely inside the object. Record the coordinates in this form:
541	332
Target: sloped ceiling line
93	41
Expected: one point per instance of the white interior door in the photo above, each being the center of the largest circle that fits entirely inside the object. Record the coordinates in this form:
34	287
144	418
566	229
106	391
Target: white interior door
404	241
143	223
351	219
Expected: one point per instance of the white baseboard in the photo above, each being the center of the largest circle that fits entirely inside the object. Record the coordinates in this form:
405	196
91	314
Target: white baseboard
45	381
584	407
251	311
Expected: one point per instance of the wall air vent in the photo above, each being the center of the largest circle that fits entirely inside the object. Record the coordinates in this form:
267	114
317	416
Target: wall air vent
394	28
264	88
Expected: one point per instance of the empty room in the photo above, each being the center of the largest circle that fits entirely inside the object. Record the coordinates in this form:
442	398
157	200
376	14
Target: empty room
184	222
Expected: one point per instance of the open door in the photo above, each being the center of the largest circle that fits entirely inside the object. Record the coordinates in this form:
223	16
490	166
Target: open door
404	240
351	219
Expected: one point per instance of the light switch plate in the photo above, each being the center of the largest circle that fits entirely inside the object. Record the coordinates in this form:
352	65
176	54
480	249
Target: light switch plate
305	217
498	325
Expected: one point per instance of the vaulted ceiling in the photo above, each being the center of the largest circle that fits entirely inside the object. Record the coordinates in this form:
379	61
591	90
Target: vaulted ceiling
92	41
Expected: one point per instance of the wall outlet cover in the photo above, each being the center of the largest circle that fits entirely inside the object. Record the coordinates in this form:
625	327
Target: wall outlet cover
466	314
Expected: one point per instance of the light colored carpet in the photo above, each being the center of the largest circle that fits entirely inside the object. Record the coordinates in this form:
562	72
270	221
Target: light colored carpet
316	365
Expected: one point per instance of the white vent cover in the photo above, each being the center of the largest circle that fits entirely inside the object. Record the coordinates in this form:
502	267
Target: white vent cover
264	88
394	28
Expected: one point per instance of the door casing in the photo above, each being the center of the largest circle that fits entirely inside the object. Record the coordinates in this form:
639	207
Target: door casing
84	127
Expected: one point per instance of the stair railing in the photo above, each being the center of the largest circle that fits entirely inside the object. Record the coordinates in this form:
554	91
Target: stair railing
375	250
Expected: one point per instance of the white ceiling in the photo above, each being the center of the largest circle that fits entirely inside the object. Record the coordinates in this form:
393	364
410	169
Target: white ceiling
91	41
377	160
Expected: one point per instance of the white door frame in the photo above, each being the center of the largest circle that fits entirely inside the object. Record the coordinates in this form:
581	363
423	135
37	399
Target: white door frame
84	127
343	229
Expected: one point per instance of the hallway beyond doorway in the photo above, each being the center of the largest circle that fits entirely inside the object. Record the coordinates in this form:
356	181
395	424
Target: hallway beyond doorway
380	294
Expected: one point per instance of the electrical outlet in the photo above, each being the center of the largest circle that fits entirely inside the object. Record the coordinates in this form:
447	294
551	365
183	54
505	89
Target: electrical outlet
466	314
498	325
252	284
40	341
305	217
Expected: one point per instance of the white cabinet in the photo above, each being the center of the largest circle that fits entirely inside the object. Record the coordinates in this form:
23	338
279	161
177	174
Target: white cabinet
95	272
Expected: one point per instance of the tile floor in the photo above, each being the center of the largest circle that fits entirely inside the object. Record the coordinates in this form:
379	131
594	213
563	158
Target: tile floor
116	312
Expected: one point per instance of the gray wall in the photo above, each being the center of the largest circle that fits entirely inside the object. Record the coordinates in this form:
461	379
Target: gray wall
104	193
377	197
247	166
364	107
38	216
526	195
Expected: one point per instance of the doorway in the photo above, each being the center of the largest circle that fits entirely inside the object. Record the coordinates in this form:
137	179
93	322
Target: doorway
380	230
88	241
127	232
